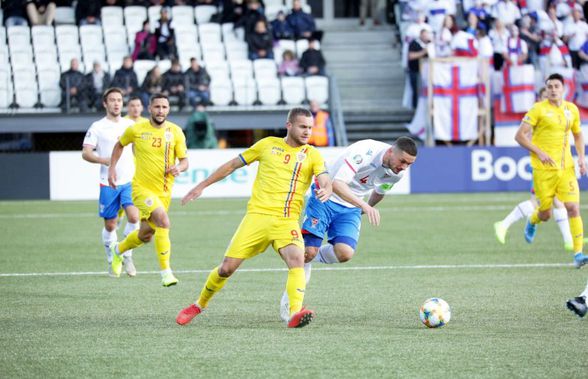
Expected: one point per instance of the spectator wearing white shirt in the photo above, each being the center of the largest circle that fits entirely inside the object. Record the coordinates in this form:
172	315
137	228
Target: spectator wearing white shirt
444	37
437	10
575	33
506	11
499	36
517	50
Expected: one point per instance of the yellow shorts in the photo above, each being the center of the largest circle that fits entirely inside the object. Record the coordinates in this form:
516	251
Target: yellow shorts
257	231
562	184
147	201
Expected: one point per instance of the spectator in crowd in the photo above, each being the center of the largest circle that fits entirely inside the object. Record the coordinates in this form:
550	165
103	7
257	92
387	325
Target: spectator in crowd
145	43
152	84
289	65
417	50
41	12
444	37
281	29
499	36
174	82
253	14
260	42
575	32
530	33
72	83
97	81
113	3
583	54
199	130
232	11
88	12
125	78
485	48
312	61
369	6
506	11
165	36
472	24
482	16
302	23
516	48
14	13
437	10
323	133
198	82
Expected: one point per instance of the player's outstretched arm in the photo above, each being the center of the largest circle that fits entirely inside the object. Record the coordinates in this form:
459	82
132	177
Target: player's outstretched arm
523	139
375	198
220	173
344	192
325	189
580	149
116	153
89	155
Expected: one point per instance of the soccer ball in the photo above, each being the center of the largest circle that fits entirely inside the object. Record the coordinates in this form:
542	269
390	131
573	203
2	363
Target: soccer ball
435	313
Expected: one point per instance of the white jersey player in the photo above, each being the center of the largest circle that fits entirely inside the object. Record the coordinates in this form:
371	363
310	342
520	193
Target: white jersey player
98	144
366	168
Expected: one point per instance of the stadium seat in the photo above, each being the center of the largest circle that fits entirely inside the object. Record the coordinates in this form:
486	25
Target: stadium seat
91	56
134	17
213	52
182	15
218	70
48	78
209	33
115	61
283	45
46	60
164	65
228	32
19	59
154	13
269	91
203	13
67	37
91	35
221	92
141	68
2	36
4	58
186	37
65	15
317	88
19	35
265	68
301	47
272	8
115	41
110	15
43	34
50	97
245	90
25	87
49	90
5	98
236	50
66	56
186	54
1	17
241	68
5	88
293	90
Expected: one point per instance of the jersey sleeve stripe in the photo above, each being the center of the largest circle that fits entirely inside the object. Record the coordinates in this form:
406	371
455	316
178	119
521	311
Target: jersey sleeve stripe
243	160
292	192
351	167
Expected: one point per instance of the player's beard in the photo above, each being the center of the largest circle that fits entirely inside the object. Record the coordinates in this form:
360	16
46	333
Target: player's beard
157	122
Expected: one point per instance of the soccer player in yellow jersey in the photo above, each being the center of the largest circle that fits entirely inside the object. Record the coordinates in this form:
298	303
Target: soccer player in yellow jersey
157	143
550	122
286	168
135	109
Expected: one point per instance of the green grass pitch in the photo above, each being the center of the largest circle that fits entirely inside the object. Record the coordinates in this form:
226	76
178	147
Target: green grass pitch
509	318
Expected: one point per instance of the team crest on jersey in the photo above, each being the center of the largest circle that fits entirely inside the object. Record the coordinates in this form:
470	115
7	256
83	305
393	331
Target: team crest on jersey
357	159
148	201
146	136
168	136
300	157
568	114
314	222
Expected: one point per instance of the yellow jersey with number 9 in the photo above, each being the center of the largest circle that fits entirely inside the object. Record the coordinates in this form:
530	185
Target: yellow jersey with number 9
283	176
551	132
156	149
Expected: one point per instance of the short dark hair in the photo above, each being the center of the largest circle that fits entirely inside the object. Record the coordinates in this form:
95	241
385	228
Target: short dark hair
135	97
156	96
555	76
111	90
407	145
298	111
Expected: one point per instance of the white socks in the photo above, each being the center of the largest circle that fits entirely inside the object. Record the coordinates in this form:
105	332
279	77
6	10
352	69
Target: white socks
561	217
522	210
108	238
585	292
326	254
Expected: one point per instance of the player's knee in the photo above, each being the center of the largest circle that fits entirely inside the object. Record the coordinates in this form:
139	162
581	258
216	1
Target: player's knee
573	210
110	225
133	217
344	253
224	271
544	216
309	253
145	236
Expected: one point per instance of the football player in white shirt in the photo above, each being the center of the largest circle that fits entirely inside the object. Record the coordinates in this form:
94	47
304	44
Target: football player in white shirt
97	148
365	168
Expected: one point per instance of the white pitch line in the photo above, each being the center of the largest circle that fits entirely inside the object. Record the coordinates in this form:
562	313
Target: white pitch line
338	268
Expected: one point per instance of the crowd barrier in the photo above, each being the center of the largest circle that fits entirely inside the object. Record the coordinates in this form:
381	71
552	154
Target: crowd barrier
66	176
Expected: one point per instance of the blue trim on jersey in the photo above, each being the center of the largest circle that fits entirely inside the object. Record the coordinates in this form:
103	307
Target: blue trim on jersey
346	240
243	160
310	240
111	200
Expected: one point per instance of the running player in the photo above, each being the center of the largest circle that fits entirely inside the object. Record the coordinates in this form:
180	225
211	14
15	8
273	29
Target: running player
135	109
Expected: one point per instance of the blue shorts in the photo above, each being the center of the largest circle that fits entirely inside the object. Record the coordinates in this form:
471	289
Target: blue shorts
342	224
111	200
